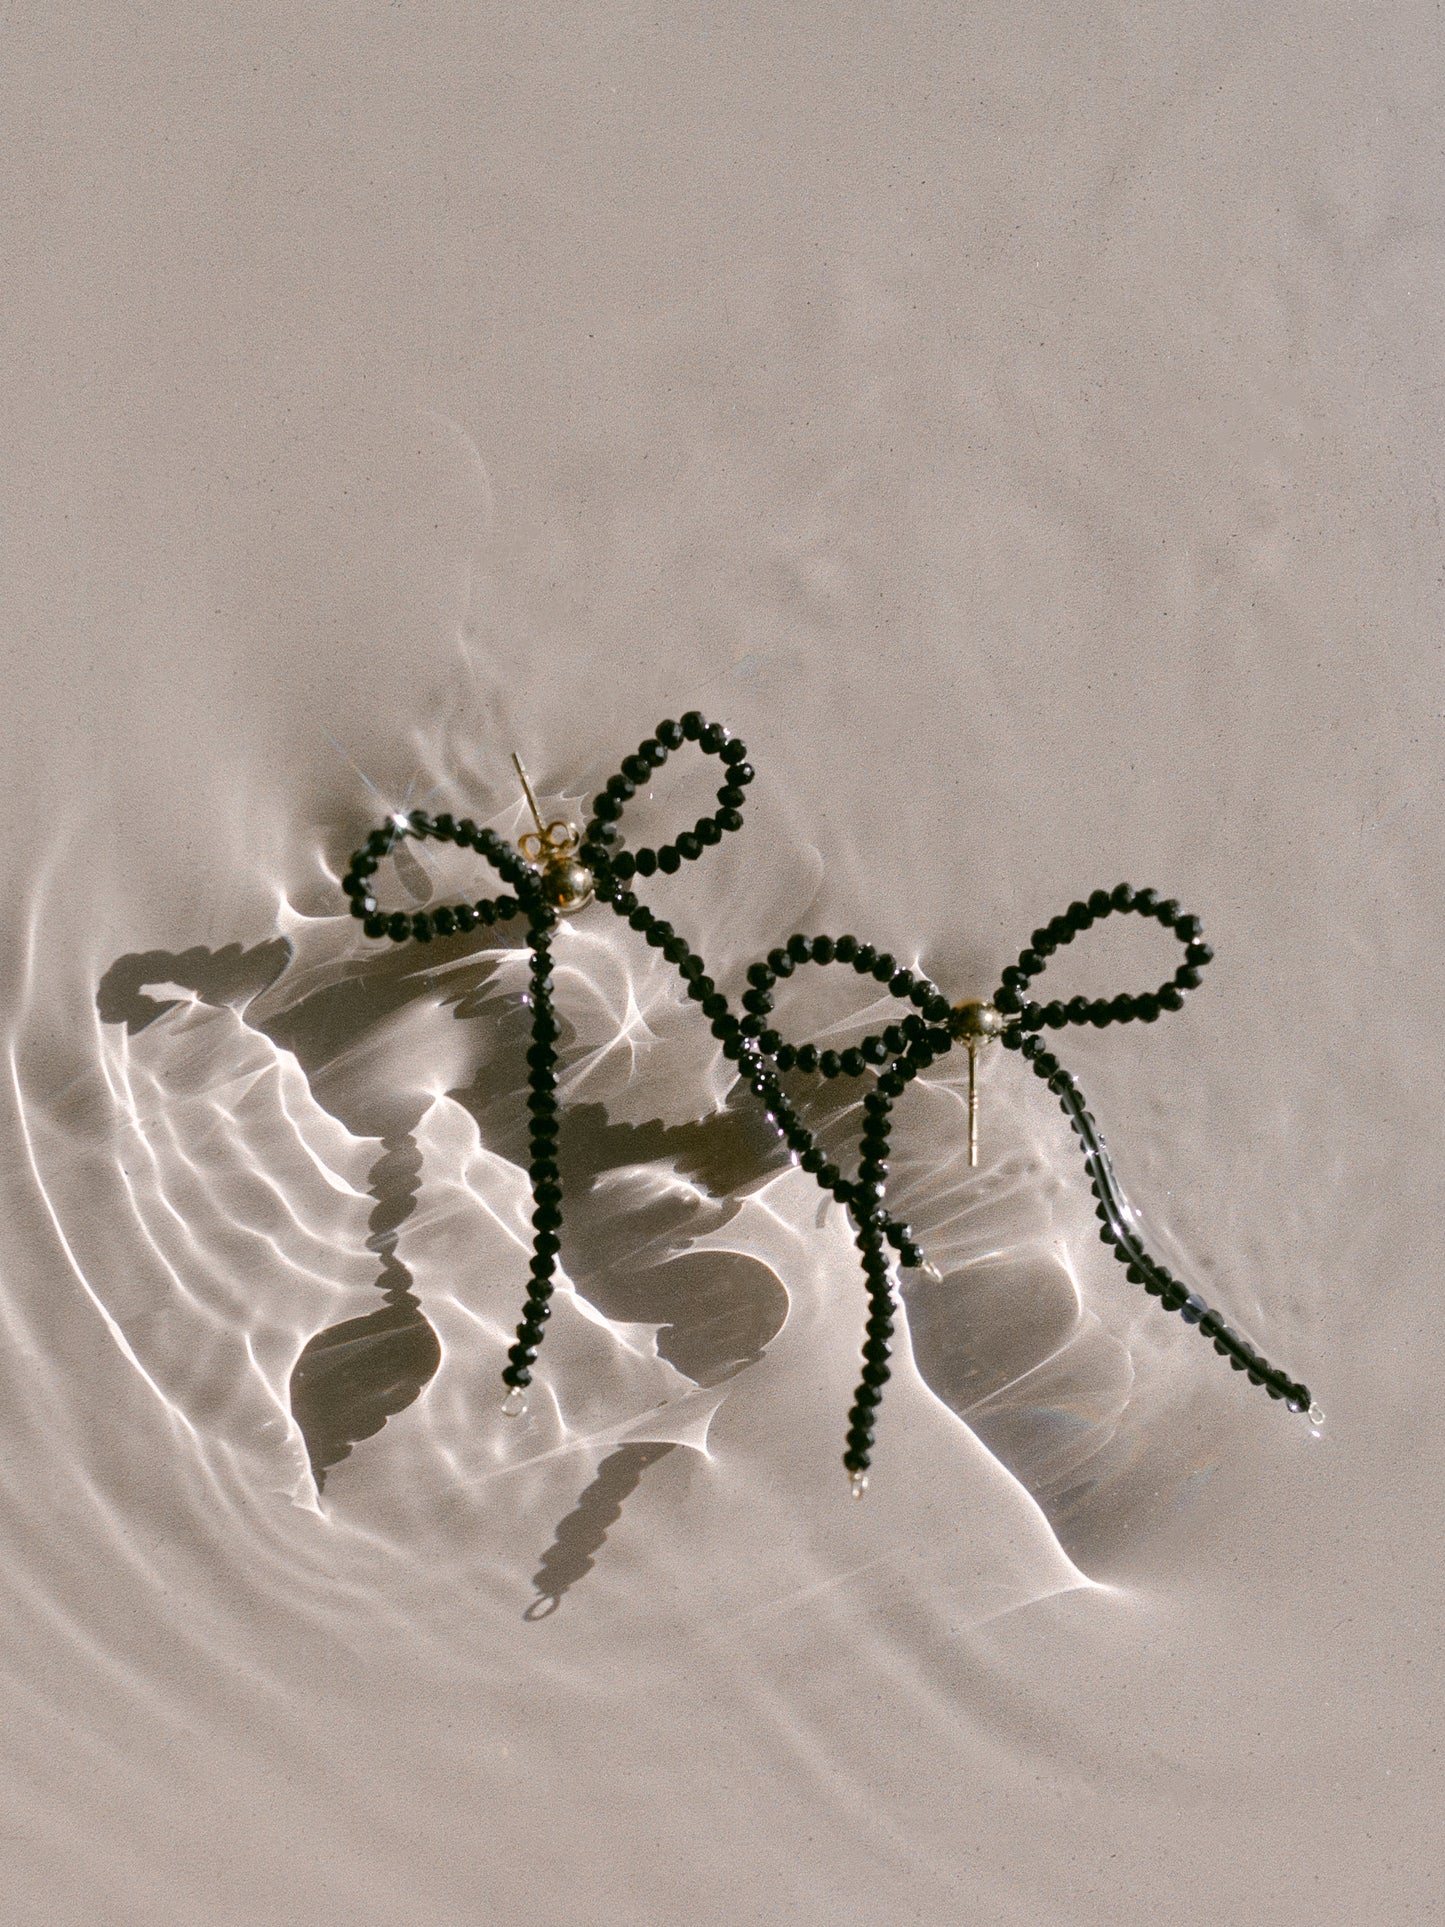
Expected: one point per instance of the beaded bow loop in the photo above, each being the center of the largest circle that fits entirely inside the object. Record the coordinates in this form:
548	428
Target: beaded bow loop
925	1031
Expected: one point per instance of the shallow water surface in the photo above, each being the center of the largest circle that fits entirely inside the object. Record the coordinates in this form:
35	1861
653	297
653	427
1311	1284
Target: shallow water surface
1014	428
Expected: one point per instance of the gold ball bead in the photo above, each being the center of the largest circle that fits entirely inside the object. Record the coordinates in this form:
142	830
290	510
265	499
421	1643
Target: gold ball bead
975	1018
568	885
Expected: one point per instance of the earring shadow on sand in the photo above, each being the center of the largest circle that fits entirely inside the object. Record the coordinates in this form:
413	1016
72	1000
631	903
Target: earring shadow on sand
716	1311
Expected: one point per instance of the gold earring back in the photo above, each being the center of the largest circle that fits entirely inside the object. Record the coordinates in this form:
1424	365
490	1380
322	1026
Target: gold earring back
552	849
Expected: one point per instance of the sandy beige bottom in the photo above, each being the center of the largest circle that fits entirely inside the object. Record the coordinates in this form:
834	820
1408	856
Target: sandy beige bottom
1021	427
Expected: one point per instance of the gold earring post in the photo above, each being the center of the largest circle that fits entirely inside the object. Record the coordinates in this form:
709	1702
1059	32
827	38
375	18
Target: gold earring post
974	1023
529	793
553	851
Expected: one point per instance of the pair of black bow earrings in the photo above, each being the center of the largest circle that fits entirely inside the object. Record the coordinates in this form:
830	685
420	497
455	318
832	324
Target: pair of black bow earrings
559	869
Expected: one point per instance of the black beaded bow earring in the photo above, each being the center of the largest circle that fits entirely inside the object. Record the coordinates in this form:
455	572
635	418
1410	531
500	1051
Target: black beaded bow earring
560	869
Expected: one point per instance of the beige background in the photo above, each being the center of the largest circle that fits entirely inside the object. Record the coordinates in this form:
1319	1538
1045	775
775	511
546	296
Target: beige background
1021	423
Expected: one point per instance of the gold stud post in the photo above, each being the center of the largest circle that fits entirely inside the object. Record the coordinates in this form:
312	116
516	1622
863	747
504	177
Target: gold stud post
529	793
553	850
975	1024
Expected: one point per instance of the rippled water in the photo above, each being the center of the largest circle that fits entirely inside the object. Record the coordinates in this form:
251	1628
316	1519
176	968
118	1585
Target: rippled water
1017	428
287	1176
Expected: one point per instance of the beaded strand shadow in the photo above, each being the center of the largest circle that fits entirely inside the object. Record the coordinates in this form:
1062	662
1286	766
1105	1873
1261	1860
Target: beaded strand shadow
570	868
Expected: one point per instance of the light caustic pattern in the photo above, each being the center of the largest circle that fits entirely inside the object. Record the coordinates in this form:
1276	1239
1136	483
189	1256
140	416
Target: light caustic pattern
290	1184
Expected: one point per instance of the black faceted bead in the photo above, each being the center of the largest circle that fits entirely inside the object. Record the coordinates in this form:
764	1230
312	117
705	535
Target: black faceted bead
854	1062
823	950
1122	896
884	967
668	860
670	734
693	724
1101	903
652	753
830	1063
1167	912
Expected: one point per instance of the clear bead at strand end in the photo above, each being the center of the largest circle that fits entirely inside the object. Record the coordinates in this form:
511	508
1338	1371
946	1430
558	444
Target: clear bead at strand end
515	1403
1316	1415
859	1483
